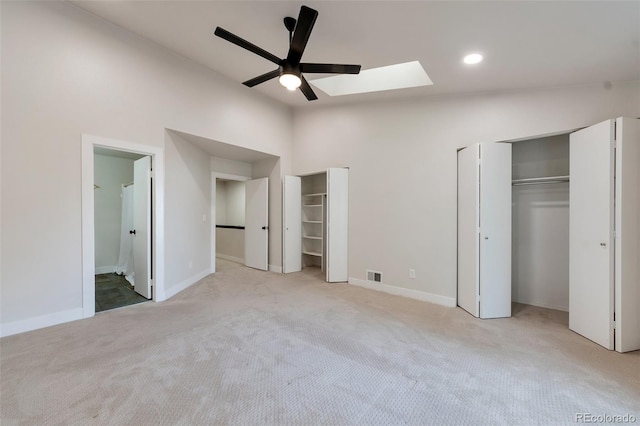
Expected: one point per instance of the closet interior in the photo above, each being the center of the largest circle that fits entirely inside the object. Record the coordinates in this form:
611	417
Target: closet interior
540	222
314	213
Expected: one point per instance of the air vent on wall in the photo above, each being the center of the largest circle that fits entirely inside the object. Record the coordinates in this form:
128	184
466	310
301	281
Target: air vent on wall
374	276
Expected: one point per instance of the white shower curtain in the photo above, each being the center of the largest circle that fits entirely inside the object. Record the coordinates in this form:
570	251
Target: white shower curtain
125	259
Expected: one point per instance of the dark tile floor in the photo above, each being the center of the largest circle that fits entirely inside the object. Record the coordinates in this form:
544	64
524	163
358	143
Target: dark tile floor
114	291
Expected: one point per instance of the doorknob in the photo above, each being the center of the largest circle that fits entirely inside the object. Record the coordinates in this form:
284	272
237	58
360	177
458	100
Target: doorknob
133	232
265	227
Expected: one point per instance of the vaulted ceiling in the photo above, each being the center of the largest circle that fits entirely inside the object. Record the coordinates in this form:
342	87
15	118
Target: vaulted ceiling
525	44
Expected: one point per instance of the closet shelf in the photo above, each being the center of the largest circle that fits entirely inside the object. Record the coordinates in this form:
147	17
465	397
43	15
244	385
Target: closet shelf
314	195
311	221
309	237
540	180
312	253
312	205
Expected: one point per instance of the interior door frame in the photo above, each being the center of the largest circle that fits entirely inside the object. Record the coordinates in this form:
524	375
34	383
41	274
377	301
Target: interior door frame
89	143
214	177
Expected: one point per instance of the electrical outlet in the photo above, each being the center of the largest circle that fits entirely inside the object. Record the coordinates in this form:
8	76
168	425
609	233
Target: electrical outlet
412	273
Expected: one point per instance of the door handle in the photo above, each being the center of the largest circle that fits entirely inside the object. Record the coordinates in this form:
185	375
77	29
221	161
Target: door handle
265	227
603	244
133	232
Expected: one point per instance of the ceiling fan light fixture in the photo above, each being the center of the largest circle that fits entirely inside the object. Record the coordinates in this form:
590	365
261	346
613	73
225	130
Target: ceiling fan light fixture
290	81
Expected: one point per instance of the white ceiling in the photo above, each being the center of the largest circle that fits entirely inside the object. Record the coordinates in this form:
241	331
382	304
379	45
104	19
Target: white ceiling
224	150
525	44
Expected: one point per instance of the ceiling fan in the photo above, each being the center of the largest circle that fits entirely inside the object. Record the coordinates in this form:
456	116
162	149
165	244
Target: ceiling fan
290	69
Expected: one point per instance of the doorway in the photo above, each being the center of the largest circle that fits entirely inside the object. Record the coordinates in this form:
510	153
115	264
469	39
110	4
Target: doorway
122	222
148	238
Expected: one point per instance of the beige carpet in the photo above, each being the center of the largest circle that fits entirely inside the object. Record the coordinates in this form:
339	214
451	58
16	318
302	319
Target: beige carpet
249	347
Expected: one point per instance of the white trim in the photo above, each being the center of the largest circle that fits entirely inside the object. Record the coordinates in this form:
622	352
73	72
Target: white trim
21	326
172	291
229	176
89	142
105	269
405	292
275	268
231	258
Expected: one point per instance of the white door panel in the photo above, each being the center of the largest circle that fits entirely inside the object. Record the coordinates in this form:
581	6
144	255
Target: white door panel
590	233
495	230
627	264
292	224
142	226
337	249
256	233
468	239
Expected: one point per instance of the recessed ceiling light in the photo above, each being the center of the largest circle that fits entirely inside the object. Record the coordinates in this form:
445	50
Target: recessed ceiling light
473	59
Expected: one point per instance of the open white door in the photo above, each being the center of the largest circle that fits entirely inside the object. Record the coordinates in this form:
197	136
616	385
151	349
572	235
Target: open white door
292	224
627	267
495	230
590	233
484	230
468	229
142	226
256	232
337	246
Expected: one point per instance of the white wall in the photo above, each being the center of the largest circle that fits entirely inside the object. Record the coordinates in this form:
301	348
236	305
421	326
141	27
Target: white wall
65	73
540	237
232	167
221	202
187	211
236	196
402	160
110	173
230	244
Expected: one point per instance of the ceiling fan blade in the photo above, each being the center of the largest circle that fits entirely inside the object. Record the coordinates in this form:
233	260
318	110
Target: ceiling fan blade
330	68
306	89
262	78
306	20
222	33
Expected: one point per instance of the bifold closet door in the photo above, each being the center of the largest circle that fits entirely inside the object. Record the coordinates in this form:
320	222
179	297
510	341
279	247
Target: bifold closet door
591	219
627	264
337	244
256	232
292	224
484	230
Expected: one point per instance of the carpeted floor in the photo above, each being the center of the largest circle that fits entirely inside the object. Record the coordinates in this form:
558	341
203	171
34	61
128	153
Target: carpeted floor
256	348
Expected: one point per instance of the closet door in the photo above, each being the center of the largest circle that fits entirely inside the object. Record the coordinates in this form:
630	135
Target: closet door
495	230
468	229
337	244
256	232
627	267
591	251
484	230
292	224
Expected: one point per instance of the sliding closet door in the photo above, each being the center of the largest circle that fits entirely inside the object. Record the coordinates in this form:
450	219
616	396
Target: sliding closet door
627	266
292	224
337	245
495	230
468	229
591	251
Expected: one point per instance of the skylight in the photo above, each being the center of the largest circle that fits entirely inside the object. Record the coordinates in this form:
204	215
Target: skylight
391	77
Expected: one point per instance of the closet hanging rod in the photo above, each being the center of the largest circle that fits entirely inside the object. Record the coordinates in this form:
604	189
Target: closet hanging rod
540	180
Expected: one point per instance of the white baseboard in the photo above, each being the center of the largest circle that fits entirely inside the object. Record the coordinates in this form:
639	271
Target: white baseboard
172	291
543	305
399	291
275	268
21	326
105	269
230	258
